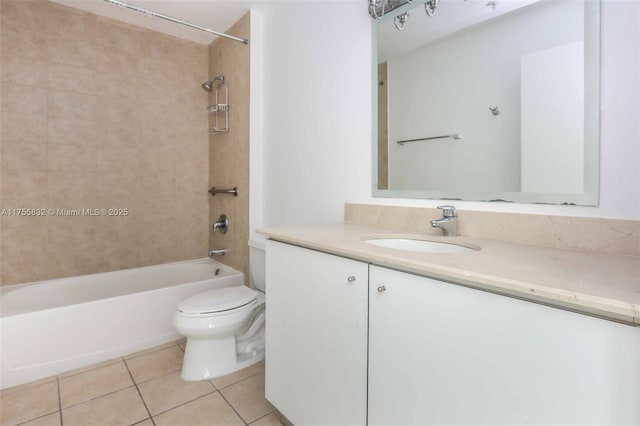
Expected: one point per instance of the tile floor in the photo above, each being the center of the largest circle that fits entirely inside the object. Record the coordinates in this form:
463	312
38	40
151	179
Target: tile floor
140	389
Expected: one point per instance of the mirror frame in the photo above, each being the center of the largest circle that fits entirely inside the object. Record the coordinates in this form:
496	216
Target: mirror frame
590	196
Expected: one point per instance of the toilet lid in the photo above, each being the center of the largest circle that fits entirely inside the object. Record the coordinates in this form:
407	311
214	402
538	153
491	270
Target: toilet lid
218	300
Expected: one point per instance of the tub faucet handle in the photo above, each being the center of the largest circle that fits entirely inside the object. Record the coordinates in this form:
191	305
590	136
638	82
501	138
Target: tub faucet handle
221	224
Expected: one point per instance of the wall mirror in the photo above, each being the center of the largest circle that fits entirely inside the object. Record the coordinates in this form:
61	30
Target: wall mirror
488	101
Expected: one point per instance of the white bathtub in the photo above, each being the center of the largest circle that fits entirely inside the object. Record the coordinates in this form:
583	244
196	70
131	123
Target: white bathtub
58	325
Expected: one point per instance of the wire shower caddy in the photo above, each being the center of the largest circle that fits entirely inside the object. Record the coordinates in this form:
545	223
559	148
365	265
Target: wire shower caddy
220	108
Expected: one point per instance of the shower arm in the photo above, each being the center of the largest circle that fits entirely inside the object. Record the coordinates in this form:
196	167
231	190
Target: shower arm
174	20
208	85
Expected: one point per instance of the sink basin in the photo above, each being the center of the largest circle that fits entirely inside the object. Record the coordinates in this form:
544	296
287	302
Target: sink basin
424	246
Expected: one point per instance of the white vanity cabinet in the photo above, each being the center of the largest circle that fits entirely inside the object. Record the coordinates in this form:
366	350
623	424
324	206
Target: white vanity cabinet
316	327
437	353
443	354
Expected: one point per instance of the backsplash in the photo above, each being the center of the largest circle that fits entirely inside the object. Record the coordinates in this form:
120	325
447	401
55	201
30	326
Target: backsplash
612	236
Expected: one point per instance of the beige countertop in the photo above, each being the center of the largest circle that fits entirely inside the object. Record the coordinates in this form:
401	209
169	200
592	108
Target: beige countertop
598	284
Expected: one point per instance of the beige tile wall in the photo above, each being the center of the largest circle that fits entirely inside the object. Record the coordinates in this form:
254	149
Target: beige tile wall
229	152
613	236
99	114
383	127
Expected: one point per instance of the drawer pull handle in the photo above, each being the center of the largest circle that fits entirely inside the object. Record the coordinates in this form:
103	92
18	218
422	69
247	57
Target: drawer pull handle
351	279
381	289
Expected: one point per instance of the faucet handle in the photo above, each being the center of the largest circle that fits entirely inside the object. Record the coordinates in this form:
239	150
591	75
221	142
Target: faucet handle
222	224
448	211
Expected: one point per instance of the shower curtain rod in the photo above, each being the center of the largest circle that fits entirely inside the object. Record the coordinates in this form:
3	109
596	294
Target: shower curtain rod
175	20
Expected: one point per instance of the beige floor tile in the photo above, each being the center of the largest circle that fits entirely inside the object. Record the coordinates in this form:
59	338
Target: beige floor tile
26	386
119	408
50	420
210	410
29	403
94	383
272	419
147	422
155	364
247	398
150	350
88	368
167	392
229	379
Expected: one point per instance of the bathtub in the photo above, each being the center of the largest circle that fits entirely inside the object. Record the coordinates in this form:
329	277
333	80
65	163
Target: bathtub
53	326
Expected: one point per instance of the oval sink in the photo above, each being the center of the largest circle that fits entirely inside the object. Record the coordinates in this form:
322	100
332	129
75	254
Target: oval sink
424	246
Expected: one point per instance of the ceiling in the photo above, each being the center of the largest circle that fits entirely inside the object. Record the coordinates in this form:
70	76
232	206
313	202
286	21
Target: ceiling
214	14
450	16
219	15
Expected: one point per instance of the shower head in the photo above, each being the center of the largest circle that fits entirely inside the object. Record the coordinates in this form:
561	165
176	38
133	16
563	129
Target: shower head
208	85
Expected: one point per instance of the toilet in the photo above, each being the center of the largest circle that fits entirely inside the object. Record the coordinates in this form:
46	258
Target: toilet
224	327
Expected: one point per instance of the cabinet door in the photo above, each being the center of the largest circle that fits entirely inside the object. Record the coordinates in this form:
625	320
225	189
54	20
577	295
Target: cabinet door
316	336
442	354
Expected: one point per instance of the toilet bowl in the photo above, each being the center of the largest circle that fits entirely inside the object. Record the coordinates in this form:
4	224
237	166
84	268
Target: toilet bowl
224	327
224	330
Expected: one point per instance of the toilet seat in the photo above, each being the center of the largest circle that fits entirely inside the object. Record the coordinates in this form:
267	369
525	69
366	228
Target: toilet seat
217	301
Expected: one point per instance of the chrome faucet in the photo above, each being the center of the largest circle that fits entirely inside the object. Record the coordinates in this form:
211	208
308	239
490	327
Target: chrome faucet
448	223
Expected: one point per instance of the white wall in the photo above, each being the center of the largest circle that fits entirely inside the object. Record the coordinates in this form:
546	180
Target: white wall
316	110
447	86
256	120
317	115
552	120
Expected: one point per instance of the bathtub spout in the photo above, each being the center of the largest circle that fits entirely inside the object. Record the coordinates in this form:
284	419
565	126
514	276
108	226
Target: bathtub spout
218	252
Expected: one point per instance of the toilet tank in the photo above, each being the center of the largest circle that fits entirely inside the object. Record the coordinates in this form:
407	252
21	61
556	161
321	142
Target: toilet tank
257	264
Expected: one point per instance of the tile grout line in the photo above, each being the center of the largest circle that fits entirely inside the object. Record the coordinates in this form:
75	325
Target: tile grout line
59	400
110	362
185	403
141	421
139	393
157	377
98	397
29	385
151	350
36	418
260	418
115	361
233	408
235	383
89	368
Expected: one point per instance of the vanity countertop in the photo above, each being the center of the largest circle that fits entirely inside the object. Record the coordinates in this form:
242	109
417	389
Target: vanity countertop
599	284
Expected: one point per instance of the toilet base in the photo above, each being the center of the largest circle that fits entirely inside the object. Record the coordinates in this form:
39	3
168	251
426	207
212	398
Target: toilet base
209	358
